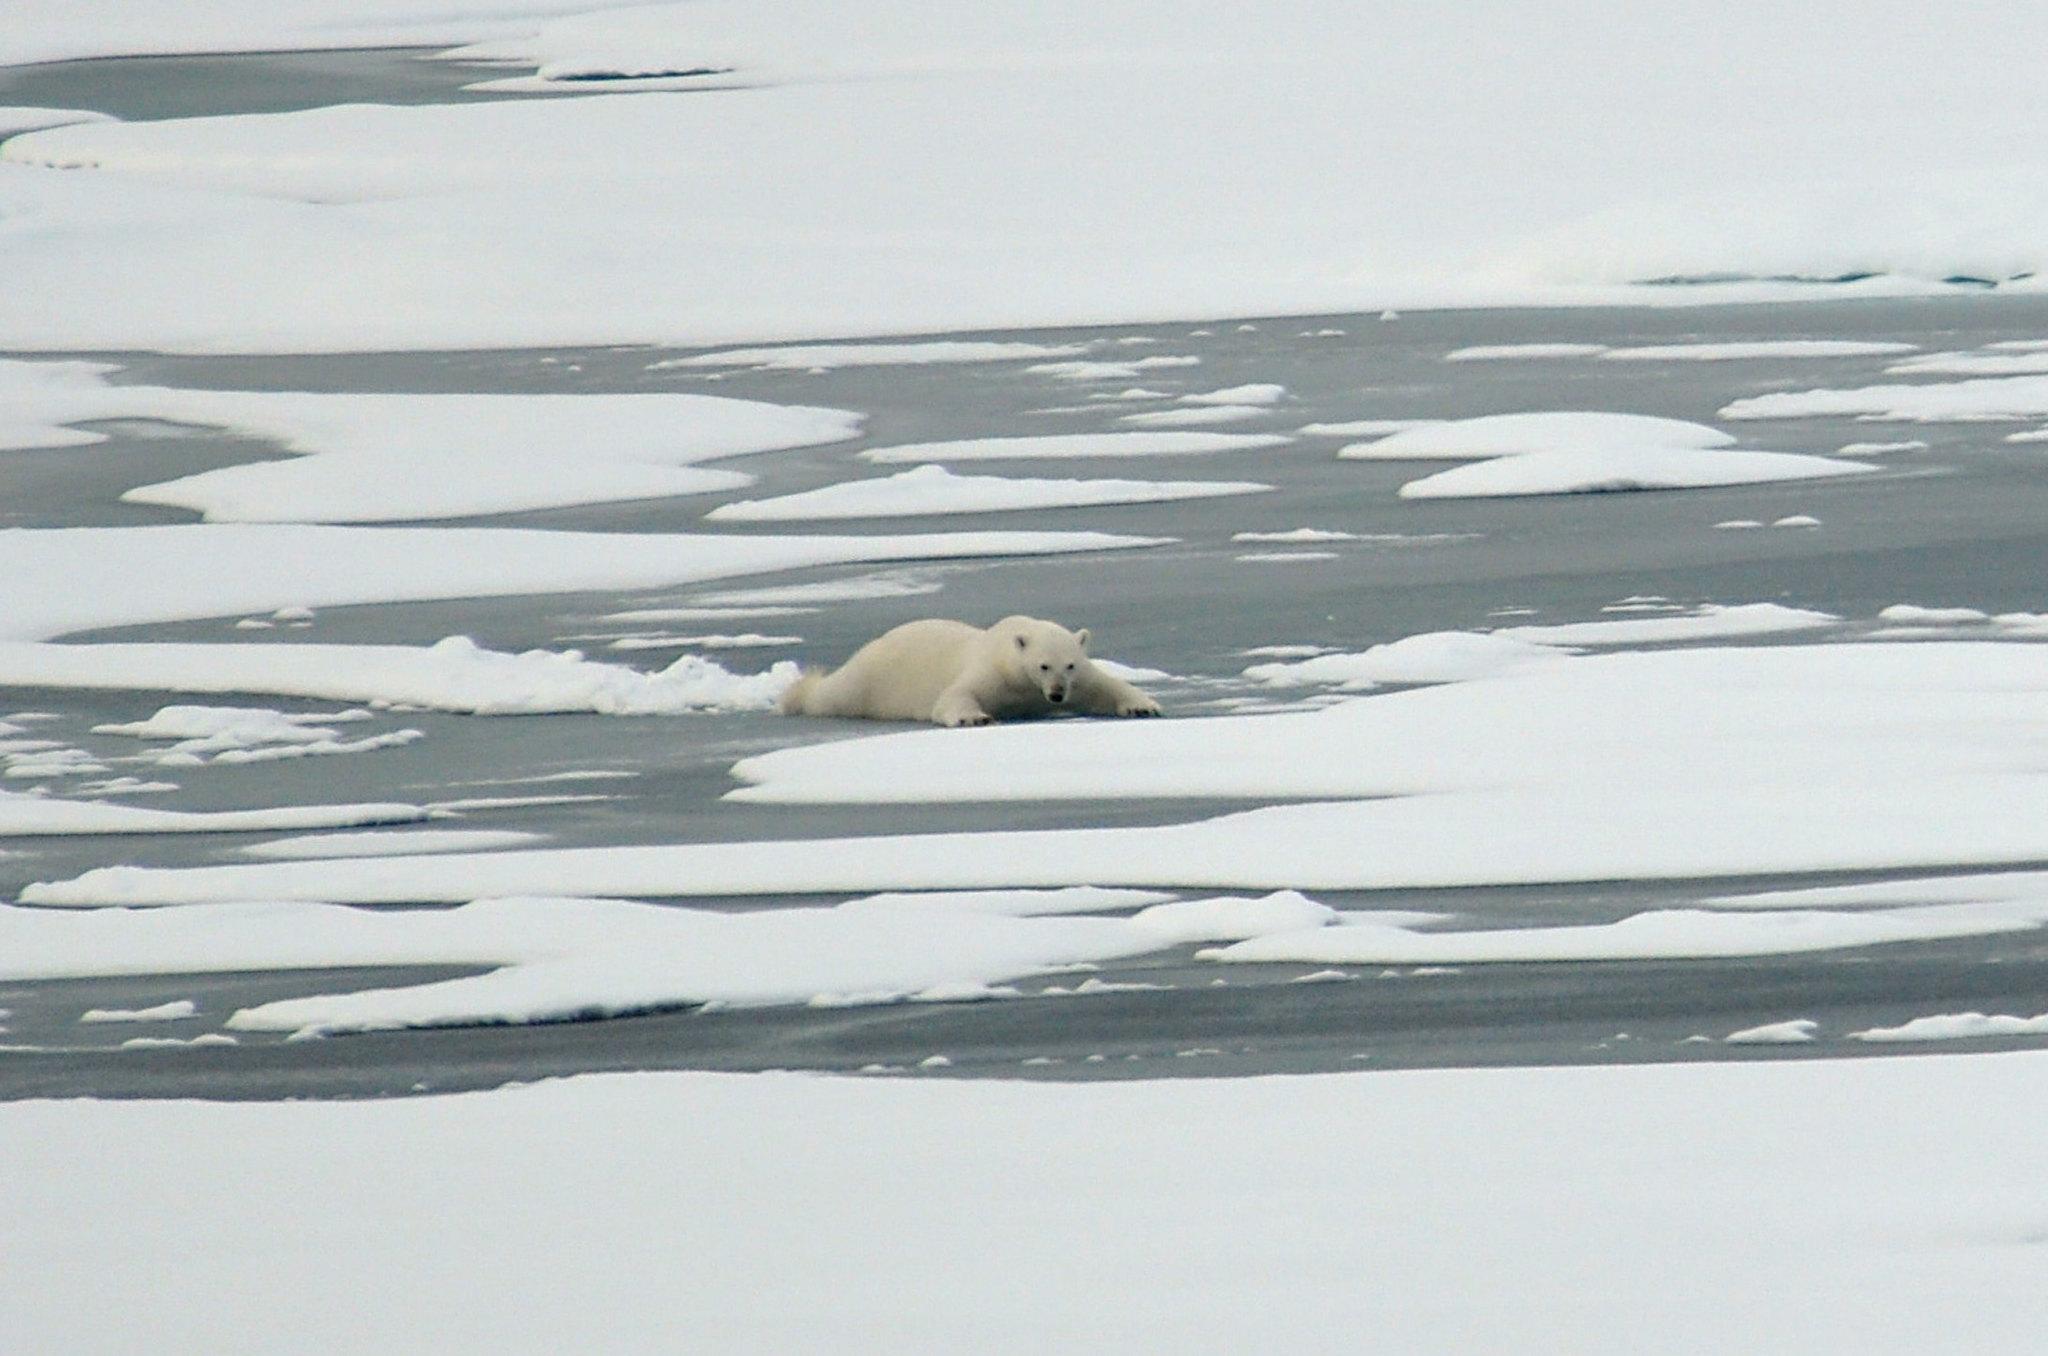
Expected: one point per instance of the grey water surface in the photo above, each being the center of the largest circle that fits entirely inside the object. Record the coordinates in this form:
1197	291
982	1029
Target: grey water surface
1962	521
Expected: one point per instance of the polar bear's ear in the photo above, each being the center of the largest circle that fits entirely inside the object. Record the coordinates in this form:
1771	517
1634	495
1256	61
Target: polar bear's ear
1082	636
1021	642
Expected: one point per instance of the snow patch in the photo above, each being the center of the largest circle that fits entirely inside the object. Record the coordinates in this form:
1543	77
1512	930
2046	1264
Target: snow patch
932	489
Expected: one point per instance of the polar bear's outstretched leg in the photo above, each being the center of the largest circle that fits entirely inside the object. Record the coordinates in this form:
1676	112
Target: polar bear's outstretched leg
959	705
1104	694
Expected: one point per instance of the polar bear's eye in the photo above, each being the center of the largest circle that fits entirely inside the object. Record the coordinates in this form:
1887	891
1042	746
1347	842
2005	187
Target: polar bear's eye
1045	668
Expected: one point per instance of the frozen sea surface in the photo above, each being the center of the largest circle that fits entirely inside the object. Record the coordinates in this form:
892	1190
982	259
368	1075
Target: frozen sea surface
1949	524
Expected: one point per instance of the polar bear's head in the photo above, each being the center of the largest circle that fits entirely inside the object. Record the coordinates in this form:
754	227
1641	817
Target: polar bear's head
1044	654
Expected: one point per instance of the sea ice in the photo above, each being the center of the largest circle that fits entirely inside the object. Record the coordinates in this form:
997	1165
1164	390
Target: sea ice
1668	764
825	357
1711	622
390	843
32	816
1958	1026
1436	657
1069	445
455	674
1496	352
1503	435
163	1012
119	576
1798	1031
1606	470
1195	417
1765	348
1983	398
932	489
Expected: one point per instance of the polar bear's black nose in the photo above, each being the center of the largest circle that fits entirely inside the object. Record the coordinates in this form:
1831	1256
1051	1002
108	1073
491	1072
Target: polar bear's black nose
1058	694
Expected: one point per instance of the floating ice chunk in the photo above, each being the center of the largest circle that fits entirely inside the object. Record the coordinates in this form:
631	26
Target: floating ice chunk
747	640
1971	365
1737	524
1501	435
391	843
1255	393
1195	417
1766	348
1285	557
455	674
1958	1026
2039	435
1364	428
1015	903
1069	445
1496	352
1879	449
121	576
1911	614
30	816
1112	371
1984	398
1610	470
1795	1032
1298	534
171	1042
1231	918
1436	657
1711	622
1796	520
162	1012
825	357
1658	934
933	489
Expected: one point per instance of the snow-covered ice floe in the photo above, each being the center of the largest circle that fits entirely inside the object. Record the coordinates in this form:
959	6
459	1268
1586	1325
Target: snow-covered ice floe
1984	398
825	357
455	674
1571	452
1750	350
496	224
1652	765
934	489
1668	1188
118	576
372	456
390	843
557	958
237	734
1955	1026
31	816
1064	446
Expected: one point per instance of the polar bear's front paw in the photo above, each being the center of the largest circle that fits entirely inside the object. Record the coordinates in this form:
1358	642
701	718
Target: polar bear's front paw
958	714
1138	705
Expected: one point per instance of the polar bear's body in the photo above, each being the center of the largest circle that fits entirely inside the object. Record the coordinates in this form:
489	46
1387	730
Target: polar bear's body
954	674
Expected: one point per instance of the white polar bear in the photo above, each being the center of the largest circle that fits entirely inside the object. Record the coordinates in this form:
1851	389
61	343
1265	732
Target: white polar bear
956	674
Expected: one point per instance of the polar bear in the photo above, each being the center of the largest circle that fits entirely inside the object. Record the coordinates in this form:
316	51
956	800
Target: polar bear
955	674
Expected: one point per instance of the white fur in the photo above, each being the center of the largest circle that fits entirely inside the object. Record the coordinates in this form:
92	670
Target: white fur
954	674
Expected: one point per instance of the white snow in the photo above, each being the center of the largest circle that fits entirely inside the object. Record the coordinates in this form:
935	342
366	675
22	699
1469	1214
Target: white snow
1658	934
745	640
380	457
826	357
232	734
1229	918
809	1208
934	489
1496	352
1669	764
1436	657
163	1012
1502	435
20	118
1364	428
1971	364
1196	417
1253	393
1911	614
1015	903
1124	370
32	816
118	576
1609	470
1711	622
455	674
1285	557
1069	445
1879	449
1763	348
867	171
390	843
1297	534
1796	520
1958	1026
1982	398
1798	1031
